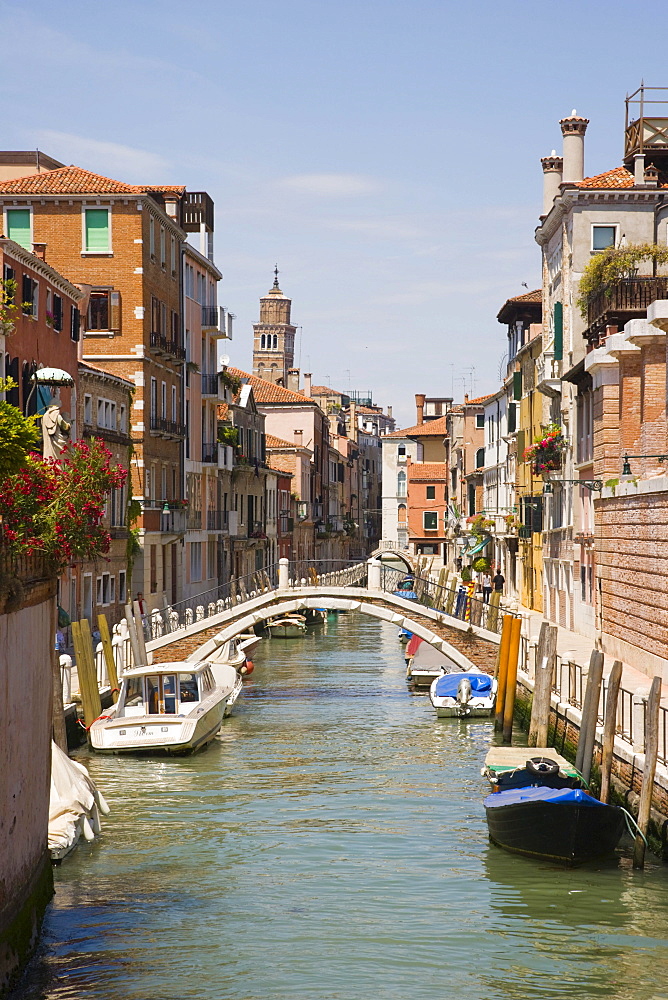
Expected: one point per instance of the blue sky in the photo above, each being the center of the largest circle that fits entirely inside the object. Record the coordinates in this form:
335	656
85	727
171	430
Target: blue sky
386	154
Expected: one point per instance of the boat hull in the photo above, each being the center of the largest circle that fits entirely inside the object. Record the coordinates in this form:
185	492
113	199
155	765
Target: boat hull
568	833
286	631
468	711
137	735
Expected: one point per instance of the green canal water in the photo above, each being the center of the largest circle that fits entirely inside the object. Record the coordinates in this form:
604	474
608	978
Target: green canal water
331	844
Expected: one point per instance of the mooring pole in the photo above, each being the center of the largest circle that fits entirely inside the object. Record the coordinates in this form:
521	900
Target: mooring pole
546	657
648	771
502	670
511	679
609	728
595	671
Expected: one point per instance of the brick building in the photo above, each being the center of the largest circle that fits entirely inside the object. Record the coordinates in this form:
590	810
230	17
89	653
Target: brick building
123	242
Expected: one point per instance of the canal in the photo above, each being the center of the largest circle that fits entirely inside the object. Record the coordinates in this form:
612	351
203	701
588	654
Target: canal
331	845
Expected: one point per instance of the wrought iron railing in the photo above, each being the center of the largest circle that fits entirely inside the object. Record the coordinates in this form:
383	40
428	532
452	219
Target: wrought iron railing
210	317
209	385
629	295
159	342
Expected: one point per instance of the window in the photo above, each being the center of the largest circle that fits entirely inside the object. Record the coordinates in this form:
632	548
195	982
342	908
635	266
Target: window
88	409
430	520
211	559
104	311
163	400
480	419
154	398
401	513
603	237
195	562
401	484
162	246
57	313
480	458
75	324
18	226
151	236
431	493
97	230
173	255
123	420
106	414
122	587
105	589
401	451
471	499
30	301
174	406
154	568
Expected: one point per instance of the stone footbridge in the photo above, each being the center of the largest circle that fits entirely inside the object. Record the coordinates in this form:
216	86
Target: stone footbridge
464	643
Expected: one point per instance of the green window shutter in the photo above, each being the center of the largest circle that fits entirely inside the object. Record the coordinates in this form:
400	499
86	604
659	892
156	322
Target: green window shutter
430	520
521	445
558	331
537	514
517	385
512	418
19	228
97	230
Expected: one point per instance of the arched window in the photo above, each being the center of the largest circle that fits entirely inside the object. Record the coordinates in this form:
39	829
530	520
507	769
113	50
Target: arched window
275	341
401	513
480	458
401	484
401	451
263	341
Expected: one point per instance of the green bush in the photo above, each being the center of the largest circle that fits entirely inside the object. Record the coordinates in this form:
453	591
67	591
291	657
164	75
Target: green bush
481	564
18	435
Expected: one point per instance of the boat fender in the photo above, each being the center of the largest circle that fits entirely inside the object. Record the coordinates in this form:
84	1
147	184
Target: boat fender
102	803
542	765
87	828
243	670
250	667
464	691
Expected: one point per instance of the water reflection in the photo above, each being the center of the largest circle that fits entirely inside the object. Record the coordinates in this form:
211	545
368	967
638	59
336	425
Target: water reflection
331	844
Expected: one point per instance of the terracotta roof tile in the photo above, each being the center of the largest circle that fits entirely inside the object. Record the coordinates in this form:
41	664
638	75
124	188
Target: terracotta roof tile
478	400
427	429
274	442
427	472
76	180
324	390
620	177
269	392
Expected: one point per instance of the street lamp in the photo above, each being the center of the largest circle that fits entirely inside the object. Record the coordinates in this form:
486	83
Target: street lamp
595	485
626	468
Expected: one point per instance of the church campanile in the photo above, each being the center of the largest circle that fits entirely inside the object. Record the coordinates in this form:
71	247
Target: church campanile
274	337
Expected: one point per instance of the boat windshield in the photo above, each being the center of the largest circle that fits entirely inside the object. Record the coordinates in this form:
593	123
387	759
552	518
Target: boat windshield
189	692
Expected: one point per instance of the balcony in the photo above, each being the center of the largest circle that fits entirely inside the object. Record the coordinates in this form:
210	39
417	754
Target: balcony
217	520
626	299
210	384
197	210
209	317
209	452
548	375
160	345
194	520
160	427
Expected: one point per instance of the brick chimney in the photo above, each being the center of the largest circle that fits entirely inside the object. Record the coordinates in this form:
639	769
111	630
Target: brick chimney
307	384
419	406
293	379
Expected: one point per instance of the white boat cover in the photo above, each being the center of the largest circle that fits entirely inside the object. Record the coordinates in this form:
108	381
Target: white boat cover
75	804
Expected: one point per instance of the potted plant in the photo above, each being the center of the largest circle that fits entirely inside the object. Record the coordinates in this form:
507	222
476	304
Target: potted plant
546	452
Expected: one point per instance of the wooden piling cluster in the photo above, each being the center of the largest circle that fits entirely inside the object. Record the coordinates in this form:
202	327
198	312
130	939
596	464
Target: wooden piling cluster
509	650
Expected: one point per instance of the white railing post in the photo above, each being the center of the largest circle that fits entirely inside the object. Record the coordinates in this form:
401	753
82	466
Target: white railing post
66	677
373	577
283	574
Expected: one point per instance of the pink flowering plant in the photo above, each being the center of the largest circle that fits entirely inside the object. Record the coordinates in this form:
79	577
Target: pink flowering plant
545	454
57	509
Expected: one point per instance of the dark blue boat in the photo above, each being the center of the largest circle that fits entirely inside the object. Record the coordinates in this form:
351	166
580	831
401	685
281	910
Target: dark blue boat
567	825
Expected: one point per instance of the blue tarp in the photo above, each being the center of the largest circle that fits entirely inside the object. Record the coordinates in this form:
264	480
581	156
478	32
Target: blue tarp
446	686
539	793
408	595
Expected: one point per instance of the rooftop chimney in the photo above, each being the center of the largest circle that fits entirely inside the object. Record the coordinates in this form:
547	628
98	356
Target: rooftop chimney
553	168
389	411
419	406
573	130
639	170
651	176
307	384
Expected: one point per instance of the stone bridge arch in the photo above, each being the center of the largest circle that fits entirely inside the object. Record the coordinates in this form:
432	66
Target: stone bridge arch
464	644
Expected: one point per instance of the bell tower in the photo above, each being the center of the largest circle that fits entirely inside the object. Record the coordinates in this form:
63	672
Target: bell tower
274	337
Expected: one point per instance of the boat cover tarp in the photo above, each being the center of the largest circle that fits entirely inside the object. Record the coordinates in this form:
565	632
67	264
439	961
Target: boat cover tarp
446	686
539	793
408	595
413	644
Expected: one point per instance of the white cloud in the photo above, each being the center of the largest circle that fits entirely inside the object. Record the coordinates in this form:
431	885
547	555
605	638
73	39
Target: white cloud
329	185
109	158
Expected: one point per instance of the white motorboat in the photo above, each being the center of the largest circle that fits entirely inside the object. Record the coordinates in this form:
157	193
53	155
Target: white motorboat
288	627
424	663
171	708
466	695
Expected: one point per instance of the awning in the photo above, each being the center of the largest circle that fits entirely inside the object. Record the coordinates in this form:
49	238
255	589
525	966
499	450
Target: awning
479	547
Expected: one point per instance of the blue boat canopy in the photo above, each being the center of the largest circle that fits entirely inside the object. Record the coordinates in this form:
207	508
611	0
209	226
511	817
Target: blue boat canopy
539	793
409	595
447	684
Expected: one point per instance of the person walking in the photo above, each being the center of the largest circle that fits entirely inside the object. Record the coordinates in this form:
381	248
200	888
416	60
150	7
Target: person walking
498	581
486	586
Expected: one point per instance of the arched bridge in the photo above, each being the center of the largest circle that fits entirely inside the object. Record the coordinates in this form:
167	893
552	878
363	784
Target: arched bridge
466	634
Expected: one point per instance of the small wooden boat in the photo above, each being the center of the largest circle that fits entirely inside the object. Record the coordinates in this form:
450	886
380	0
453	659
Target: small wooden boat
288	627
463	695
167	708
424	663
540	807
